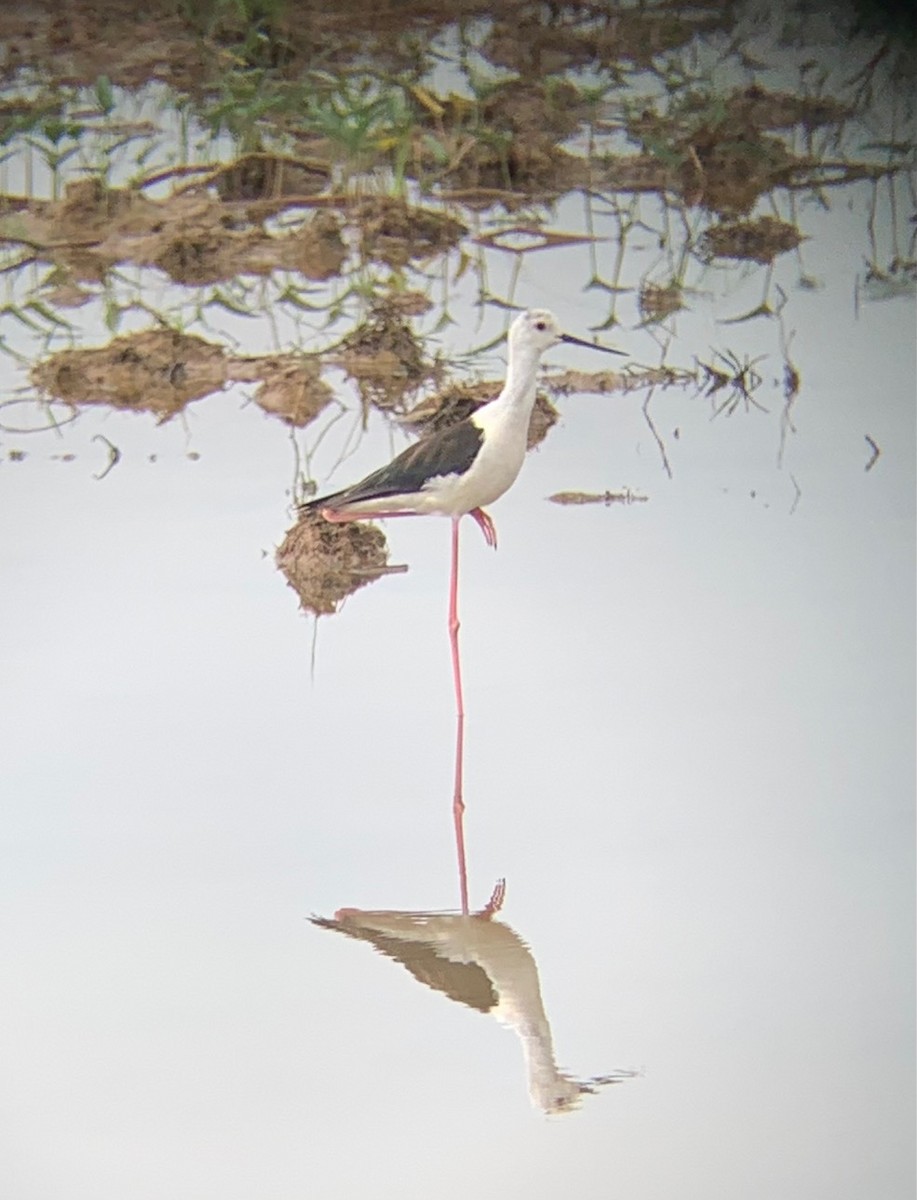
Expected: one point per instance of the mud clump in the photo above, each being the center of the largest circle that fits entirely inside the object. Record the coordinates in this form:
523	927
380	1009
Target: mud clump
397	233
268	177
158	371
318	251
325	562
161	371
193	236
759	241
536	48
507	170
384	357
658	302
293	391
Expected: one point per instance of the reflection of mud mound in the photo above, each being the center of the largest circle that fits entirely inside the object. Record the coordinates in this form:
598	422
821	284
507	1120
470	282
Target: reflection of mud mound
658	302
318	251
534	47
161	371
384	357
193	236
158	371
761	240
269	176
714	151
396	233
293	391
323	562
529	164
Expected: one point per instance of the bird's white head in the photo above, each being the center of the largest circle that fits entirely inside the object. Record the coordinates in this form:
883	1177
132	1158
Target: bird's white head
537	329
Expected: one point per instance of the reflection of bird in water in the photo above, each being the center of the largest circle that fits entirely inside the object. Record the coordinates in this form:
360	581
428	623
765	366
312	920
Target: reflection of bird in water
486	965
458	470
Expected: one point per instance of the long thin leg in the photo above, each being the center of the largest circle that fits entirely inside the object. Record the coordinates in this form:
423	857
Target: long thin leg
458	803
487	526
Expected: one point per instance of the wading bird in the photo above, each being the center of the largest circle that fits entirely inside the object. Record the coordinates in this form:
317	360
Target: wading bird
459	470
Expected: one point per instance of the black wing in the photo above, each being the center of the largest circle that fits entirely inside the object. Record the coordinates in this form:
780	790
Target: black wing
447	452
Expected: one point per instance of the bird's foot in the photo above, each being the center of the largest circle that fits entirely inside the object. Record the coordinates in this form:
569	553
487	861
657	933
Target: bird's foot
495	903
487	526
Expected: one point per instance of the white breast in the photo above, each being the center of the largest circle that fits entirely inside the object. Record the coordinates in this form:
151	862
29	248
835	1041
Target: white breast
495	468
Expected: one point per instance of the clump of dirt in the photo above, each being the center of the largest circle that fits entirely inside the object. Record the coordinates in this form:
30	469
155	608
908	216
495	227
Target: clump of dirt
77	44
269	177
317	250
502	168
161	371
634	173
291	385
71	232
724	174
192	236
196	256
484	151
158	371
294	392
408	304
459	400
197	239
728	174
62	290
555	107
762	109
714	151
760	241
384	357
324	562
535	47
396	233
658	302
544	417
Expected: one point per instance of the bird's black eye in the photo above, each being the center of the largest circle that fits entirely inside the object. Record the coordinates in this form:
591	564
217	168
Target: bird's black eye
541	326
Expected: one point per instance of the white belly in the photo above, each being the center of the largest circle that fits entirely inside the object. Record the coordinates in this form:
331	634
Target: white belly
493	471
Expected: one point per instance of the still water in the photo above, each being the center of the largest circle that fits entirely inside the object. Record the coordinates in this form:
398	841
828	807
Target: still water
689	754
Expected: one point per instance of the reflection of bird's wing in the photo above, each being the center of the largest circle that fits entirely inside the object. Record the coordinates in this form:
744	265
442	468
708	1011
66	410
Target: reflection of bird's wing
447	452
465	982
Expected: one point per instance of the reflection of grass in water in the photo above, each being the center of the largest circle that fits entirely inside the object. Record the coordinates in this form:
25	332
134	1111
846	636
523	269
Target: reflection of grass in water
346	133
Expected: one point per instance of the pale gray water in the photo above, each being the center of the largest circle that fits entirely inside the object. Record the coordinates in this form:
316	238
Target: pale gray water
689	751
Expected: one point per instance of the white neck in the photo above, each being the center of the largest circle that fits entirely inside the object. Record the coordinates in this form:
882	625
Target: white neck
521	376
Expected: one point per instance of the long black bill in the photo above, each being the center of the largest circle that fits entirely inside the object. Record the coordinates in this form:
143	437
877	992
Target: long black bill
575	341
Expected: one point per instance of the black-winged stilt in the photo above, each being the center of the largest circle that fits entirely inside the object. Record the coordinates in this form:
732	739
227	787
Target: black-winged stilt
456	471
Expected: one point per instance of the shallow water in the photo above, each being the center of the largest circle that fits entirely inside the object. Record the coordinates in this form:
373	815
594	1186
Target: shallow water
689	753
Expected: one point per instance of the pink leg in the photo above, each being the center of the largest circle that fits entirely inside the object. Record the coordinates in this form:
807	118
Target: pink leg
458	803
487	526
339	516
495	903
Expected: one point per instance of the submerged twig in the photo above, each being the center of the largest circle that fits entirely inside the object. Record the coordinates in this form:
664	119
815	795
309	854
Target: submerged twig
625	496
114	454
